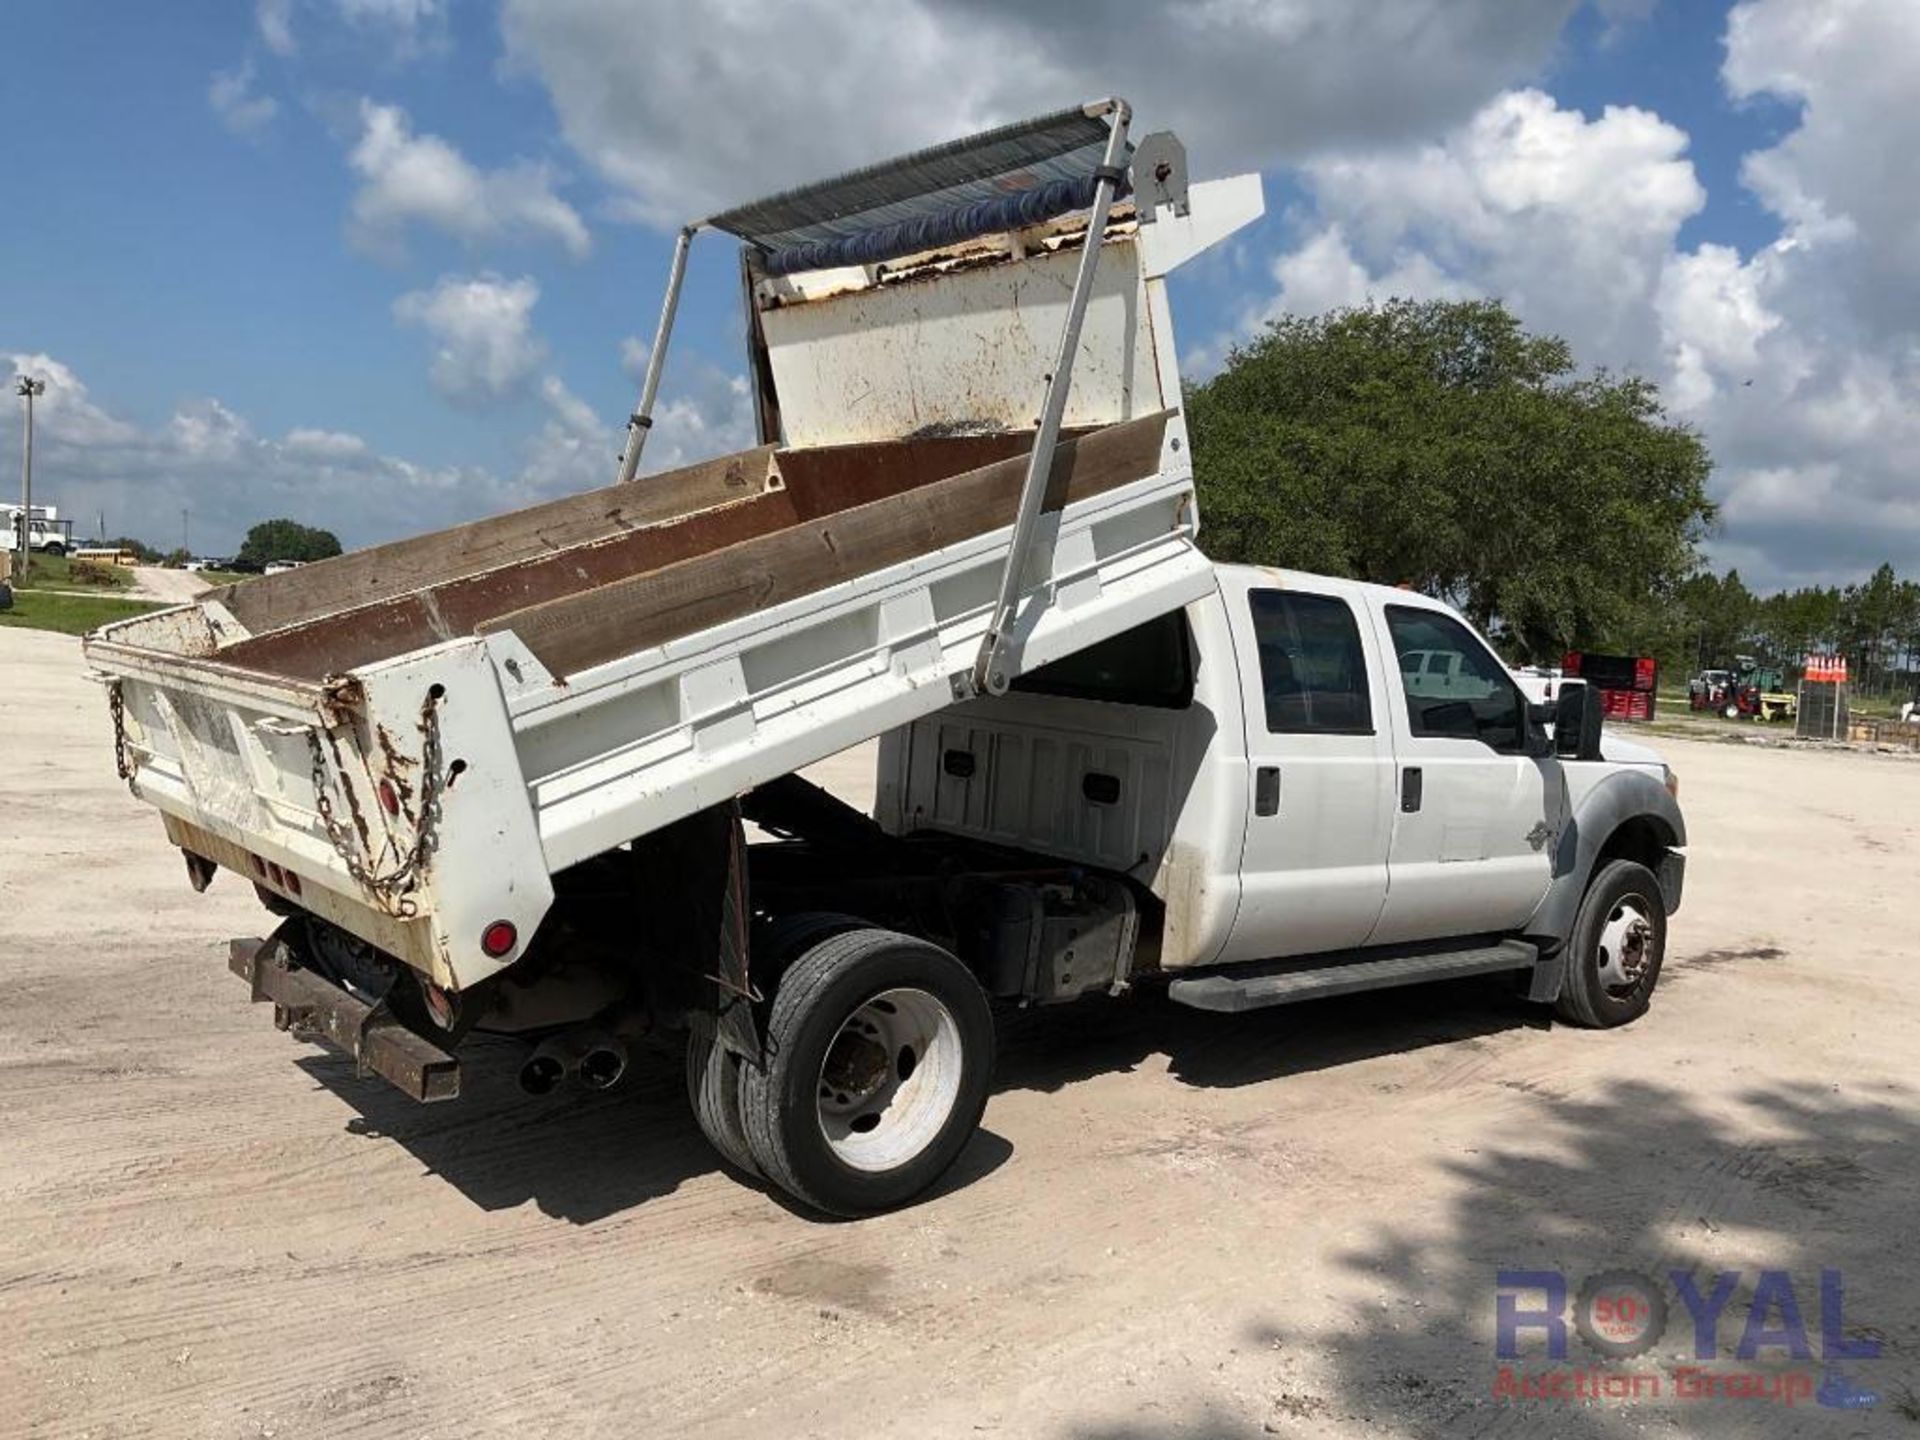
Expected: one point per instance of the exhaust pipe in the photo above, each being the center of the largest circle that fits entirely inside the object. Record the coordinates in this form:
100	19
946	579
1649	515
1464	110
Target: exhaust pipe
599	1059
604	1063
549	1065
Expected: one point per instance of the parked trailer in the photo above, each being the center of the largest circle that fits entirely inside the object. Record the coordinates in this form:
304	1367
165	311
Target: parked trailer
498	778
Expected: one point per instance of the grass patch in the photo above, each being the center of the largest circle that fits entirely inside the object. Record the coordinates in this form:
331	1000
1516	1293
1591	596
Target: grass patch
222	577
68	612
63	572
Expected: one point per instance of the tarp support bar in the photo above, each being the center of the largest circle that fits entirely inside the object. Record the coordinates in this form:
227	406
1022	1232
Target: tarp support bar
991	669
642	419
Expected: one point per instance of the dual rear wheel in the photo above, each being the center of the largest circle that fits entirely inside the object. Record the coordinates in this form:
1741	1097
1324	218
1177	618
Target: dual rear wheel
879	1054
879	1047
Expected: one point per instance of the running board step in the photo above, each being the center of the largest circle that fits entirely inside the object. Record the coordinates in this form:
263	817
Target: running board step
1345	976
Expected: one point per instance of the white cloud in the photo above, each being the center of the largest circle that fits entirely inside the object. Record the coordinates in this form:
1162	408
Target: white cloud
64	406
482	330
1798	361
232	97
1324	275
409	179
323	444
207	459
686	108
1712	319
712	415
708	413
405	26
274	20
1569	219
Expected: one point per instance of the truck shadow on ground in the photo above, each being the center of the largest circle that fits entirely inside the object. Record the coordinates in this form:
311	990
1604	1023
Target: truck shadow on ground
1048	1049
1634	1176
579	1155
582	1156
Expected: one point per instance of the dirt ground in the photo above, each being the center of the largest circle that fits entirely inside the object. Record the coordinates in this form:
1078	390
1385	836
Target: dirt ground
156	582
1173	1224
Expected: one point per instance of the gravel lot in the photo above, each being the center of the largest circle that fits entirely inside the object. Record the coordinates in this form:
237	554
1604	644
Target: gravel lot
1174	1224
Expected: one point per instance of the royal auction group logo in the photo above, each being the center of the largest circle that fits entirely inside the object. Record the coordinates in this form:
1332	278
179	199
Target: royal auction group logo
1621	1315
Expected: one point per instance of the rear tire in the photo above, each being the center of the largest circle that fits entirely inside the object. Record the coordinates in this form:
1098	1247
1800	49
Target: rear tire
880	1052
1614	952
713	1087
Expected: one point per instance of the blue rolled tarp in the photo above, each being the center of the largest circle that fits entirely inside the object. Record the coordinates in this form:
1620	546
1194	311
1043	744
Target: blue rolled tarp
1005	179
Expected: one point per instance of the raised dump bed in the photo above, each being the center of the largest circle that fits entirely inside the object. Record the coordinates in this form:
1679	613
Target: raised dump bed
589	578
411	740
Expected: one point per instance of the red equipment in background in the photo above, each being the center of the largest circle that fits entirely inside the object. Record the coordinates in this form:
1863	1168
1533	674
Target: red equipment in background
1626	682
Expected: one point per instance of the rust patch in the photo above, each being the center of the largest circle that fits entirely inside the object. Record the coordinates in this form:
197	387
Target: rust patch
340	696
397	764
352	799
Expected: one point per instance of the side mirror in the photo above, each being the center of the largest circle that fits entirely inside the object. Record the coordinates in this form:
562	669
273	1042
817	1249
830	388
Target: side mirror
1539	715
1577	718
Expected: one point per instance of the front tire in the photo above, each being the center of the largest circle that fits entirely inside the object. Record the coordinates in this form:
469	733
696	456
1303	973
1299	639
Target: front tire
1614	953
880	1053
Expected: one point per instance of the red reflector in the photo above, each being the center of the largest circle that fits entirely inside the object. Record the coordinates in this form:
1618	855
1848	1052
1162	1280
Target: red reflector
293	882
389	797
1643	673
499	938
275	874
259	866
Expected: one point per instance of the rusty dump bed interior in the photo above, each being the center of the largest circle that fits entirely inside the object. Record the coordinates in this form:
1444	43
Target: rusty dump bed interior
589	578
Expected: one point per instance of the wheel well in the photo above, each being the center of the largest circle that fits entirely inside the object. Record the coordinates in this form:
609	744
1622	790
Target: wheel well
1644	839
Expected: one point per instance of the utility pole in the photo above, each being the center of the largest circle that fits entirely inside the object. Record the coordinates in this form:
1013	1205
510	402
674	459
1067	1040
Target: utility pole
28	388
186	543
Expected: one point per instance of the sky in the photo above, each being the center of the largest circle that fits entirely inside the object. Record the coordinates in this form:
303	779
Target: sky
384	265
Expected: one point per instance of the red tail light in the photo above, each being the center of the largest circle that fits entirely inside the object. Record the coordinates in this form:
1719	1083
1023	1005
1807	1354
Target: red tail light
499	938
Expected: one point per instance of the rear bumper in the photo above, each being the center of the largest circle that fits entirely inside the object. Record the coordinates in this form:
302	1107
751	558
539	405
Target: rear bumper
311	1007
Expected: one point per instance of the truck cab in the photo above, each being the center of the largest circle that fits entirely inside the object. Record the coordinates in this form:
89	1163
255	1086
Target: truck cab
1297	766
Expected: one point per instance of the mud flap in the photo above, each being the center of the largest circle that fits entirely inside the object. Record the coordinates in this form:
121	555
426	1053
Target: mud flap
701	862
1549	974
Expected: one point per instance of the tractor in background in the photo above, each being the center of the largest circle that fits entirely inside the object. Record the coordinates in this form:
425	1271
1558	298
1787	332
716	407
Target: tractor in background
1751	691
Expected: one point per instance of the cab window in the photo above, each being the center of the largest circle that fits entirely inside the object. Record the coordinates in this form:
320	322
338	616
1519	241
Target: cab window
1312	669
1151	664
1455	687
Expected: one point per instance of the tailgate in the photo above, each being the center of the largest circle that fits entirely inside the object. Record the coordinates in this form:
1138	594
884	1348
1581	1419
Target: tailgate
335	795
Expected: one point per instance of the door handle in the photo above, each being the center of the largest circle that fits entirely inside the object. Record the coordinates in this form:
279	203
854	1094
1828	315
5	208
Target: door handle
1412	788
1266	790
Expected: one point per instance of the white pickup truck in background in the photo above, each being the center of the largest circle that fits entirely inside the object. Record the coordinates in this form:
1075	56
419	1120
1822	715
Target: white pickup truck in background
500	779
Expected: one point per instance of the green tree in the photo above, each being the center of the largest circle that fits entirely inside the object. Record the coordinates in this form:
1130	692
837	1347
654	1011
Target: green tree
273	540
1440	445
1719	619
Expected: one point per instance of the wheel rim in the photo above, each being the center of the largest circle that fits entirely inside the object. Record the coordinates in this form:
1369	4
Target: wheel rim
890	1080
1625	946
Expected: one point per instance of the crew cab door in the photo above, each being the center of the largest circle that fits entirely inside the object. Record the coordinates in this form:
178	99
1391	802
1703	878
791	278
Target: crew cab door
1319	771
1476	816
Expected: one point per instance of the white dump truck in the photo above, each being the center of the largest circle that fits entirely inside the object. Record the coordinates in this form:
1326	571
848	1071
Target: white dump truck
501	779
